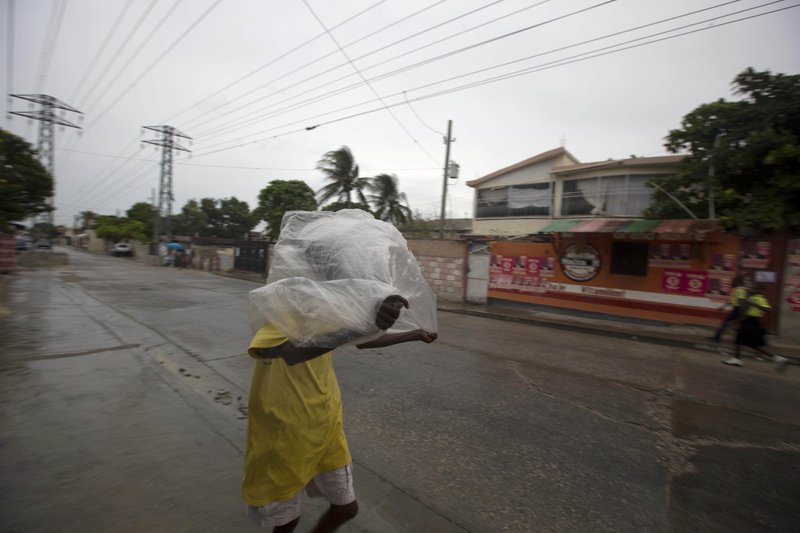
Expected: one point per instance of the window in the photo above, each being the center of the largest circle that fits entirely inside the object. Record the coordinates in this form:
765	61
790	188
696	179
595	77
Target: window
530	199
629	258
624	195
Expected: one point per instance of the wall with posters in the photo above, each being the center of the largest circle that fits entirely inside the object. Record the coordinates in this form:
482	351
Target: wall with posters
680	281
790	317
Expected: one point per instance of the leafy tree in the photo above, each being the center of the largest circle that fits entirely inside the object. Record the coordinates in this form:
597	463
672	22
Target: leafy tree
389	204
279	197
192	220
338	206
340	168
233	218
144	213
88	219
44	230
229	218
417	227
25	185
120	228
752	148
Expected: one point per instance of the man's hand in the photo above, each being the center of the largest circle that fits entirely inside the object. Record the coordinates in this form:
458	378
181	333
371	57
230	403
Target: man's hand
389	311
426	336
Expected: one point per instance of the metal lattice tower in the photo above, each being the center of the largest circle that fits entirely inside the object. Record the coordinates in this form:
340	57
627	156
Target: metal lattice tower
46	115
165	197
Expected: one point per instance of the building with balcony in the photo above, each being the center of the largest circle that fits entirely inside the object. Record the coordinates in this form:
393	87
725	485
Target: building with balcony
526	197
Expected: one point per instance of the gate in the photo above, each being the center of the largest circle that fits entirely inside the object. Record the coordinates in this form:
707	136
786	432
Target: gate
477	273
250	256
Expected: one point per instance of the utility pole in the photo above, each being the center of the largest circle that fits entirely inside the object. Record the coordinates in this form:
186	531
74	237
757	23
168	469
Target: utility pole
447	141
46	115
168	145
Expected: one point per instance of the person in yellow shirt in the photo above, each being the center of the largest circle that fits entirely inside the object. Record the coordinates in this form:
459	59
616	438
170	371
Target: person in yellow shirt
751	331
295	438
737	297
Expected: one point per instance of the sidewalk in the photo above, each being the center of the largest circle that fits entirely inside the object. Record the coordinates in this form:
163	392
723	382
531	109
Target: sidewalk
678	335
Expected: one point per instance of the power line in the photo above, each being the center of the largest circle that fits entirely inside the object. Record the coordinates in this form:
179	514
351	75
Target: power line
118	52
156	62
111	32
546	66
367	82
302	67
269	63
51	37
421	63
144	43
10	55
331	69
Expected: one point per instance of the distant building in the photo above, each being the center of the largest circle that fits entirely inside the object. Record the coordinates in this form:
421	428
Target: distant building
526	197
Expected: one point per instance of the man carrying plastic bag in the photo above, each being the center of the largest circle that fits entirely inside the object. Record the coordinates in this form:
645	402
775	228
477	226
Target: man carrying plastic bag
336	278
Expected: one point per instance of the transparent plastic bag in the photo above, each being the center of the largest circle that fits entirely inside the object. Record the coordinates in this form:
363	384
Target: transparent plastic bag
331	271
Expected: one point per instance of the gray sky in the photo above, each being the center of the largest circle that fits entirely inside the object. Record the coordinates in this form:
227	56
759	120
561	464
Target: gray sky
244	78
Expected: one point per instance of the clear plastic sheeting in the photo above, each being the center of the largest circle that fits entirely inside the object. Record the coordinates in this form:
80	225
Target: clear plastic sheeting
331	271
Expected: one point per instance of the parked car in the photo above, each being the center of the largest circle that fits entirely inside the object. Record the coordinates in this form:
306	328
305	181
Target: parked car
23	244
43	244
121	248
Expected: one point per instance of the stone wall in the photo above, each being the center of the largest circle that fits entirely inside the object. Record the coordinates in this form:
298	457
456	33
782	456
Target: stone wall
443	265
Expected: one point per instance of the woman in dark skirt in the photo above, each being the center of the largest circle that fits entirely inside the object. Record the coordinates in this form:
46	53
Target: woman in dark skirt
751	331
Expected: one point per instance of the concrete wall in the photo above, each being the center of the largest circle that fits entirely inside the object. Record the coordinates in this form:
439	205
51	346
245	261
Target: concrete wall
443	265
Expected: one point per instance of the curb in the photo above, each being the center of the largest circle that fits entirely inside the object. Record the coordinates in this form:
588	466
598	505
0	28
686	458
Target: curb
646	338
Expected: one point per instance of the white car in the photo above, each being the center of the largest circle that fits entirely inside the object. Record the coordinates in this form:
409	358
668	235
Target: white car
121	248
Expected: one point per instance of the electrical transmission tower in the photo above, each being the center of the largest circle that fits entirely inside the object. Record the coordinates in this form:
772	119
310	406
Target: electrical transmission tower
168	144
46	115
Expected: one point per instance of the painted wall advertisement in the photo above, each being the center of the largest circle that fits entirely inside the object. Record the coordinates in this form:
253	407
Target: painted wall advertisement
670	255
756	254
720	276
520	273
685	282
793	274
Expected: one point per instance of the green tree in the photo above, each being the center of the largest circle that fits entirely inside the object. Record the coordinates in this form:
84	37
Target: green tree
338	206
120	229
751	147
417	227
144	213
88	219
388	203
233	218
340	168
25	185
192	220
279	197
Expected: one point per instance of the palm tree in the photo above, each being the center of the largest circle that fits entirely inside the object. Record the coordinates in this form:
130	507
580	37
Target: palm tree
389	204
88	219
340	168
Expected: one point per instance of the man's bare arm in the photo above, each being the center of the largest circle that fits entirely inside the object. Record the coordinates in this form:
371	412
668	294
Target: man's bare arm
396	338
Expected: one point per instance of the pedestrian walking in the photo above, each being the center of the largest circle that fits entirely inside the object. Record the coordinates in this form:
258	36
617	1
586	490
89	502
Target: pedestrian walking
737	297
751	330
295	438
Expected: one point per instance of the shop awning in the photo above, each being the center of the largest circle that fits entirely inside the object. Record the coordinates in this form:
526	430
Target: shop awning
685	227
598	226
639	226
560	226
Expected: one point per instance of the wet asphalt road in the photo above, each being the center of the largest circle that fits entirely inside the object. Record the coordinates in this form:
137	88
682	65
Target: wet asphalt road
497	426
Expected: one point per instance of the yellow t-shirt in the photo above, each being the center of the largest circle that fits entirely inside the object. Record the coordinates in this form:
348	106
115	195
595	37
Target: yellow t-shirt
294	428
754	301
738	296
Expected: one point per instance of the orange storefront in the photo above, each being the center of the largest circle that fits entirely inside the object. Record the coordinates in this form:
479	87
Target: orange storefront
676	271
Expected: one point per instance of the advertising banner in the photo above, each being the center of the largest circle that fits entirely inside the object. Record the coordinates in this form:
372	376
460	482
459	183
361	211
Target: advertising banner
670	255
685	282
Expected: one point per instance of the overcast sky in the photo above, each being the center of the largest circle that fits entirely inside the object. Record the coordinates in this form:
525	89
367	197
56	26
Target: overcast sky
245	78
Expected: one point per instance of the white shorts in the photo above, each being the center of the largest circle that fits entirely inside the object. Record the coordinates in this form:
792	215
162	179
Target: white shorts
335	486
